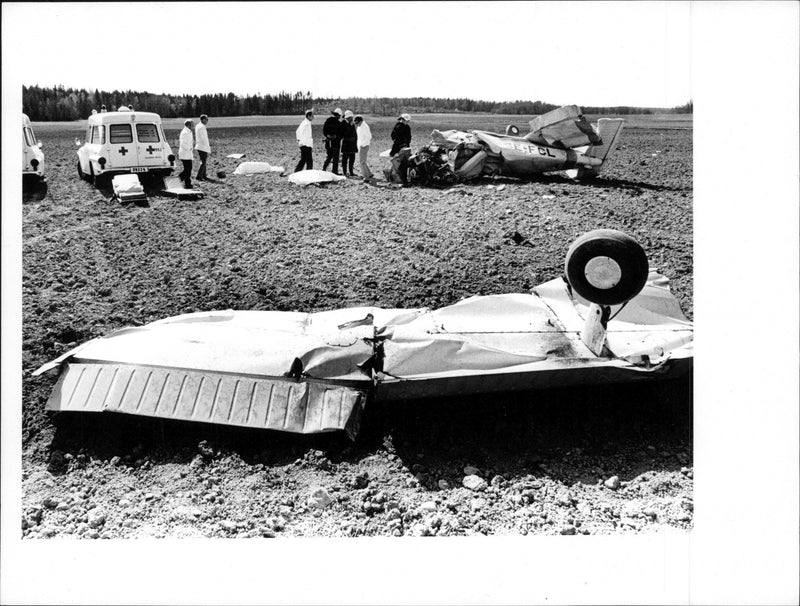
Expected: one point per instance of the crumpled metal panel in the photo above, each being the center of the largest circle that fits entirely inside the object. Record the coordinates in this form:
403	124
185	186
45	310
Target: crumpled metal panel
478	334
211	397
510	342
563	127
651	324
264	343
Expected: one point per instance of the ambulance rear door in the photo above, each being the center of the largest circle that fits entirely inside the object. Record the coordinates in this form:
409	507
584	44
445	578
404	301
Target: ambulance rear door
122	149
152	152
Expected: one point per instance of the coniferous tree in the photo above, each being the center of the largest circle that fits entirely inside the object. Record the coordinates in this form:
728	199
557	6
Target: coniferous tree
61	103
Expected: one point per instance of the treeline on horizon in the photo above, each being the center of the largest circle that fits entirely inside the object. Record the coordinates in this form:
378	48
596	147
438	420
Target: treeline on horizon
58	103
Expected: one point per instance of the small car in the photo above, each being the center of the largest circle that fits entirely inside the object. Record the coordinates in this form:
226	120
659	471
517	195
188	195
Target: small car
123	142
32	155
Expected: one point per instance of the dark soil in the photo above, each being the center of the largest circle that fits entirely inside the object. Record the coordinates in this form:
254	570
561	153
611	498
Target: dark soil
91	265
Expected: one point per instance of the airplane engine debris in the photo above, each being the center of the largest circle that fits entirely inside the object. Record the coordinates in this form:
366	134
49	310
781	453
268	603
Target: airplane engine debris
560	140
430	167
315	372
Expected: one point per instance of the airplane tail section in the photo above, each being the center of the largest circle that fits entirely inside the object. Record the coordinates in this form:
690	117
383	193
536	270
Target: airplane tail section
609	130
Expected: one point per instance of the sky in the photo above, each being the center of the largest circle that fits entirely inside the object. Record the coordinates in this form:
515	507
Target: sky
601	53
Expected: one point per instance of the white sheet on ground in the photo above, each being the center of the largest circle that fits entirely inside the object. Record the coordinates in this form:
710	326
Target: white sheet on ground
254	168
307	177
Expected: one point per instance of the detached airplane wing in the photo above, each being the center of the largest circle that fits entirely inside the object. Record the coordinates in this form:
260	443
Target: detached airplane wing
564	127
313	372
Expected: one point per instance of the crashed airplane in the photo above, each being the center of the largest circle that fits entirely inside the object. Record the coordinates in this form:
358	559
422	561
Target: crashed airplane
560	140
612	319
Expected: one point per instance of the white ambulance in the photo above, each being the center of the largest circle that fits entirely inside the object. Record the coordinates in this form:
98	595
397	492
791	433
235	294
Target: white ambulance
32	155
123	142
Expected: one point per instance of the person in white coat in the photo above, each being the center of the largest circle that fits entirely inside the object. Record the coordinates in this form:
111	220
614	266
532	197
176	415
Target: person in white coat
364	139
306	143
202	146
186	153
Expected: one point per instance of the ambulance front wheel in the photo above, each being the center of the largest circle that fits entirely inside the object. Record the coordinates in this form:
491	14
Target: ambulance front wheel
606	266
99	181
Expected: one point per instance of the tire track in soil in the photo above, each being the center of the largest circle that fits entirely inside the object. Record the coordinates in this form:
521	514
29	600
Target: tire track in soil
77	228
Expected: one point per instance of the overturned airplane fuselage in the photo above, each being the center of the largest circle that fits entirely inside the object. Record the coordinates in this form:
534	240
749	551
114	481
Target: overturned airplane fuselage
560	140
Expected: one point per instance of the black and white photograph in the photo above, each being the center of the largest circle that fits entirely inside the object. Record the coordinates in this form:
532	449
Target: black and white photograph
396	300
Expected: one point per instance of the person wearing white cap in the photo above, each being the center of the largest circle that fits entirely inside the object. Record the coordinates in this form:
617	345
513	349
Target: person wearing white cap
349	144
186	153
306	142
364	139
401	147
333	141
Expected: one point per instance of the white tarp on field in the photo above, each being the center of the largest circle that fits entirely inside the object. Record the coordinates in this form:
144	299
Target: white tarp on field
307	177
255	168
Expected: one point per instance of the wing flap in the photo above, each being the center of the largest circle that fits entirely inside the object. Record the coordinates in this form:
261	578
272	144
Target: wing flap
211	397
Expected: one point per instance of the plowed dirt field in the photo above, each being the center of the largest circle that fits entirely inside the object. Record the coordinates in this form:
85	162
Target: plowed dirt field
548	458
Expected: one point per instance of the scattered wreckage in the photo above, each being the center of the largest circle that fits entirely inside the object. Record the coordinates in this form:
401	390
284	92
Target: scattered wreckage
611	319
560	140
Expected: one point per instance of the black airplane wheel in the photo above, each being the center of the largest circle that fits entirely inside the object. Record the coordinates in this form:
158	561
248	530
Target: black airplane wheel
606	266
512	129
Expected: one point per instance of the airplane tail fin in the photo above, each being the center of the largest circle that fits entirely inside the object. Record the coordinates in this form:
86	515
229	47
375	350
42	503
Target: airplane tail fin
609	130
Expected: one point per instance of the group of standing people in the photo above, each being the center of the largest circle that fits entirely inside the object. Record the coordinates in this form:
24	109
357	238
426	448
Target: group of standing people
346	135
193	139
351	135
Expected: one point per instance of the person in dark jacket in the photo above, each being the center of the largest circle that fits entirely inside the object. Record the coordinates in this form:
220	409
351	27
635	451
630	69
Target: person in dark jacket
330	132
349	144
401	147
